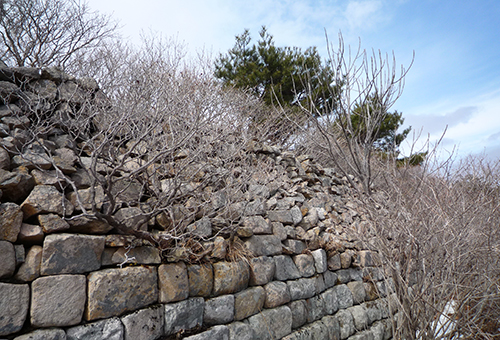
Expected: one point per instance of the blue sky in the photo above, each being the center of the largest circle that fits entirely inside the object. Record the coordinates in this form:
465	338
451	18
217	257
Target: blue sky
455	78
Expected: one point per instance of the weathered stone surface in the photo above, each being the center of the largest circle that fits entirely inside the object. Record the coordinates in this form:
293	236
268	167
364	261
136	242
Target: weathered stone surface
364	335
201	228
343	275
184	315
87	198
18	186
137	255
285	268
114	291
333	327
263	245
302	288
276	294
220	248
44	334
14	304
255	207
230	277
86	225
345	259
20	253
257	190
239	331
173	282
344	296
279	230
30	234
4	159
47	177
45	199
200	279
283	216
296	215
272	323
30	269
316	330
334	262
132	218
248	302
305	265
320	260
70	92
71	254
108	329
214	333
357	289
373	312
346	323
219	310
359	317
57	300
294	246
258	224
331	301
11	219
330	279
7	259
52	223
144	324
262	270
299	313
315	308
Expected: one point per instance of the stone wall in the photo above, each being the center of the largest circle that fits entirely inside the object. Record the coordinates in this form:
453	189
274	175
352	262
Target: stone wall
300	273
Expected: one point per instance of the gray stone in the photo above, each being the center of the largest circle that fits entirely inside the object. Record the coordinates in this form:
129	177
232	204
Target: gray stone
108	329
239	331
86	225
173	282
357	289
86	198
45	199
359	316
258	190
276	294
272	323
136	255
7	259
14	304
248	302
132	218
184	315
334	262
330	278
71	254
345	259
285	268
365	335
294	246
57	301
305	265
44	334
320	284
262	270
258	224
333	327
315	308
320	260
30	269
70	92
344	296
145	324
343	275
283	216
299	313
4	159
310	220
304	288
263	245
201	228
373	313
51	223
230	277
279	230
346	323
11	218
112	292
214	333
201	279
331	301
30	234
20	254
296	215
378	331
219	310
255	207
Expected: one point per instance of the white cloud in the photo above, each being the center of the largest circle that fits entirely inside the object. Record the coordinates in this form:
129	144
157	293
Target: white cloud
363	14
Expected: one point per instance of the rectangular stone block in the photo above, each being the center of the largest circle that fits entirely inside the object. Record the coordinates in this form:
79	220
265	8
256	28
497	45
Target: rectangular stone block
219	310
201	279
144	324
264	245
112	292
230	277
44	334
272	323
248	302
184	315
262	270
214	333
107	329
14	304
173	282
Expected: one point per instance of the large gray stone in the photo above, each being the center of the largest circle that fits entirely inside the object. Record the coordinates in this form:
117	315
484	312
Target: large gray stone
230	277
30	269
11	219
333	327
305	264
184	315
344	296
108	329
114	291
214	333
71	254
276	294
346	323
304	288
330	279
315	308
299	313
320	260
262	270
248	302
257	224
359	316
272	323
263	245
357	289
44	334
7	259
144	324
14	304
30	234
240	331
57	301
331	301
285	268
219	310
45	199
201	279
283	216
136	255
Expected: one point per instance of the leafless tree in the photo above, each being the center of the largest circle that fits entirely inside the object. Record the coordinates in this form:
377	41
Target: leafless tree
40	33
